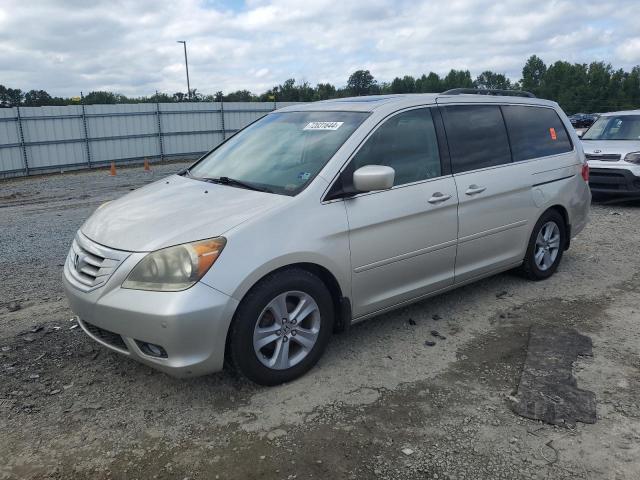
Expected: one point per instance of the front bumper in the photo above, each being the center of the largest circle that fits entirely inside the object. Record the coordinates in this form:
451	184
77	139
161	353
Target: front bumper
615	181
191	325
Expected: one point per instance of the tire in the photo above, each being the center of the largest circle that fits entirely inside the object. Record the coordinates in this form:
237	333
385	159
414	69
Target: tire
539	266
256	322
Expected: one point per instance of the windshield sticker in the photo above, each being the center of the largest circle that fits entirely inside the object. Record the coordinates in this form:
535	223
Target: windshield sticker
552	131
304	175
323	125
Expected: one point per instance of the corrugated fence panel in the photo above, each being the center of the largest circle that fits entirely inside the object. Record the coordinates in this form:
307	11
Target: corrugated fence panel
192	143
129	149
10	154
53	136
121	120
57	138
240	114
11	160
176	118
56	156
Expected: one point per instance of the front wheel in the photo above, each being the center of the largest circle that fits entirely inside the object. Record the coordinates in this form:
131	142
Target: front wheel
546	246
281	327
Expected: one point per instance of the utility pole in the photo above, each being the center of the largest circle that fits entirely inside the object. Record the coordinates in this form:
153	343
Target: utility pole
186	64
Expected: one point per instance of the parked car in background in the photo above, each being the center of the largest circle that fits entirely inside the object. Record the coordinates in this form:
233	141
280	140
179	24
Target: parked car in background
321	215
612	148
582	120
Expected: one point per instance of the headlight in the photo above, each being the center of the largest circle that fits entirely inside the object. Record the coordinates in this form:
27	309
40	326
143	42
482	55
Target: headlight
175	268
633	157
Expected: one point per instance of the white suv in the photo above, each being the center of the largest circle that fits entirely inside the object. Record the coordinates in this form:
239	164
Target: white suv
322	215
612	148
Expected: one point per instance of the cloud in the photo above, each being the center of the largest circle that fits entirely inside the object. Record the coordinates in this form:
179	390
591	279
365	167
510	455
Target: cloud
68	46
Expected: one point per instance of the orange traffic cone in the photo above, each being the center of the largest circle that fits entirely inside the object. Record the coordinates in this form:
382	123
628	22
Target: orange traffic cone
147	168
112	172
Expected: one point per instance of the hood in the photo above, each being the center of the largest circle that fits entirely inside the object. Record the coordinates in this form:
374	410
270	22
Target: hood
175	210
621	147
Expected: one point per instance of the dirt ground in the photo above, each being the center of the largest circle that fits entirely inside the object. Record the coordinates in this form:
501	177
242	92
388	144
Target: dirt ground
380	404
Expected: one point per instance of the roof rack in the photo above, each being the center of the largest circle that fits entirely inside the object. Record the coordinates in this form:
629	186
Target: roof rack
488	91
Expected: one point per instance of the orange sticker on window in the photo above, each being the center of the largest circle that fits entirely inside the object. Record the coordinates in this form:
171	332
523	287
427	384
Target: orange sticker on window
552	131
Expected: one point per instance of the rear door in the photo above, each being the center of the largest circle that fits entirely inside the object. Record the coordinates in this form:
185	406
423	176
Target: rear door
495	201
402	240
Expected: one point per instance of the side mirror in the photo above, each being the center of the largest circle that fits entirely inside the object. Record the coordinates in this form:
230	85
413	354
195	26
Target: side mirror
373	177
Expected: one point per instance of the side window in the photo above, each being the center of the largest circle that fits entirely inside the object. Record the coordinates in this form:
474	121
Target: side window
406	142
535	132
477	137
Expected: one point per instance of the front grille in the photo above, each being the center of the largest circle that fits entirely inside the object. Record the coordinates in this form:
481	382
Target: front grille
106	336
603	157
607	179
90	264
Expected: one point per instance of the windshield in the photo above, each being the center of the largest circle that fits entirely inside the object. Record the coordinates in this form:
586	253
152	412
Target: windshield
282	152
623	127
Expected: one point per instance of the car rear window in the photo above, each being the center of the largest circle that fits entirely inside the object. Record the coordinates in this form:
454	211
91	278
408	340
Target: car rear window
477	137
535	132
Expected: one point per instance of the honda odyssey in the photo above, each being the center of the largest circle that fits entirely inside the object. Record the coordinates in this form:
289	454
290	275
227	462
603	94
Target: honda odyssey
319	216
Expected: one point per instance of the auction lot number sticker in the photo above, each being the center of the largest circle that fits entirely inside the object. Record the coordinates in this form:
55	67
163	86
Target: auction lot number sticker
323	125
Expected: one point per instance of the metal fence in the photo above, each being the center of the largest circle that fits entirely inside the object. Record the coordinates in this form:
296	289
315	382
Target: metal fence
45	139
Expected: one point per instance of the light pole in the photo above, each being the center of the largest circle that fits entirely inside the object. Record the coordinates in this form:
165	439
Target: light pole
186	64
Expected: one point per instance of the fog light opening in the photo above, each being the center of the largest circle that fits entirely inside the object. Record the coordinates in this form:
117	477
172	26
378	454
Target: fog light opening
152	349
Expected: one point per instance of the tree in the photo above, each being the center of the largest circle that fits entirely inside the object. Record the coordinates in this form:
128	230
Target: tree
489	79
360	82
532	74
10	97
180	97
406	84
431	83
324	91
237	96
100	97
457	79
37	98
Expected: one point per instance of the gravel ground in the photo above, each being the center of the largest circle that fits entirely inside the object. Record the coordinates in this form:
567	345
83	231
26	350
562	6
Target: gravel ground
380	404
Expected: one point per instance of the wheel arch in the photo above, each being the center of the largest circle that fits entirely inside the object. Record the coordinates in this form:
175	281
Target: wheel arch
340	297
565	216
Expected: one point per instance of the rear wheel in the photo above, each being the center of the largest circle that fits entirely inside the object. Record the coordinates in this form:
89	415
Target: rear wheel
281	327
546	246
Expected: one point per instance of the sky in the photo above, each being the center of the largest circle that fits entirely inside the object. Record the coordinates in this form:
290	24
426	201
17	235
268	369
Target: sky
129	47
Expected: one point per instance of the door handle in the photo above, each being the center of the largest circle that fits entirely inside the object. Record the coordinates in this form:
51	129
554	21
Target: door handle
475	189
439	197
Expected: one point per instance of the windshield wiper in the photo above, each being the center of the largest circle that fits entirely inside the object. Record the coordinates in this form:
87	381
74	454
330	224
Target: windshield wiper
235	183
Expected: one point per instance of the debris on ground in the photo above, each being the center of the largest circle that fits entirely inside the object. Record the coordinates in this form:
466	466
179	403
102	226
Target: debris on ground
429	343
548	390
437	334
14	306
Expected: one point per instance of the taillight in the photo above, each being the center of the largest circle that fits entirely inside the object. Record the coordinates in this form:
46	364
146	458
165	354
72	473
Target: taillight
585	172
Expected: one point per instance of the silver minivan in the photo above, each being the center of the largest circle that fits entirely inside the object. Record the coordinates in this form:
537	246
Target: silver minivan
319	216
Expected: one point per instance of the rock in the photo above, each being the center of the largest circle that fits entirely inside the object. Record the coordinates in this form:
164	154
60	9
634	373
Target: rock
412	321
34	376
14	306
437	334
407	451
501	294
277	433
429	343
28	338
54	392
6	349
437	317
